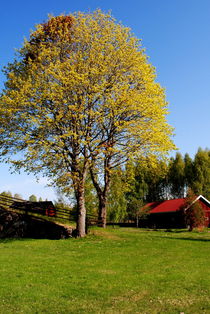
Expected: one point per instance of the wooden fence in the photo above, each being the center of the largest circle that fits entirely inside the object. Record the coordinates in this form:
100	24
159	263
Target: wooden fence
45	210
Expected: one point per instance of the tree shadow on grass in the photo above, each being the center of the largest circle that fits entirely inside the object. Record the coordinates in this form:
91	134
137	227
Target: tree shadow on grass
185	239
166	230
172	231
176	230
9	240
30	227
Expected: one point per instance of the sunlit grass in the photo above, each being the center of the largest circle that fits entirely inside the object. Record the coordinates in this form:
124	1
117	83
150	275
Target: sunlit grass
110	271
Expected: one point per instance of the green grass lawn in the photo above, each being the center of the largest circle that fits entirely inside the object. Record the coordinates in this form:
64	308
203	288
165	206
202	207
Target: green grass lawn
110	271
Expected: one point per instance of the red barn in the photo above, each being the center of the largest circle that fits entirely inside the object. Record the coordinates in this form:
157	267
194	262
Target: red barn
170	213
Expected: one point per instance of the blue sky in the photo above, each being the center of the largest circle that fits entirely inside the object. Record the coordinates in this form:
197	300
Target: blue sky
176	35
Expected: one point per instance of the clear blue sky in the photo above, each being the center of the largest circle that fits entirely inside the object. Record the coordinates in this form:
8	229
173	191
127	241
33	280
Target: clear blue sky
176	35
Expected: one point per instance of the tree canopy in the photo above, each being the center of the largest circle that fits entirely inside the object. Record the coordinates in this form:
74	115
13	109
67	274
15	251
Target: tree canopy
32	198
81	92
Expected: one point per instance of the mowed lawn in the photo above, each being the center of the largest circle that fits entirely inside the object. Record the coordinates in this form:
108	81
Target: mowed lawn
118	270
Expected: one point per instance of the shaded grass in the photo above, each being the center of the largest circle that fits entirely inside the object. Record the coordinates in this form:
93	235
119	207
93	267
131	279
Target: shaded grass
110	271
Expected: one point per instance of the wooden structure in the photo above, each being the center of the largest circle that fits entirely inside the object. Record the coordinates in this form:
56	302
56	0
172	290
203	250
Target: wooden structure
171	214
44	208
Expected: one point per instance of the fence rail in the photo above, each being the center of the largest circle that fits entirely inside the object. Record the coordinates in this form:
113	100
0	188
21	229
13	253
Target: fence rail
41	209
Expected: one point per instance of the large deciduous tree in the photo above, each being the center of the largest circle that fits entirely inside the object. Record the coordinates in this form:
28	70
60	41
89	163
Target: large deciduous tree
81	93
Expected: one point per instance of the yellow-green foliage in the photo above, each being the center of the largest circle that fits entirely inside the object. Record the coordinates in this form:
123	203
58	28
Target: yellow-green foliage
81	85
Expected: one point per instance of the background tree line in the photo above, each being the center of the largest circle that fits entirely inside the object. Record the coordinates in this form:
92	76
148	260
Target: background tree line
148	180
143	181
32	197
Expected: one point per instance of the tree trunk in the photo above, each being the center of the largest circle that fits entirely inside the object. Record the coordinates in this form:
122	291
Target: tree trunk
102	194
137	221
81	212
102	210
79	188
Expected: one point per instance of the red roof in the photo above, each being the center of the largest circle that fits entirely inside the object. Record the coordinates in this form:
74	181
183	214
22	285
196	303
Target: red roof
166	206
174	205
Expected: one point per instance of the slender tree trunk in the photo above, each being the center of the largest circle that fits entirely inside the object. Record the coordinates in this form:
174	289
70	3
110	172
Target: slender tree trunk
102	193
79	187
102	210
81	212
102	198
137	221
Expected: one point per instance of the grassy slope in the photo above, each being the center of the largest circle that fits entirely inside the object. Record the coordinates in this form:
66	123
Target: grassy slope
111	271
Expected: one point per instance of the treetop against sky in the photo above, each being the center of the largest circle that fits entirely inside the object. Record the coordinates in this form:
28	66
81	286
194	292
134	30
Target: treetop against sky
81	94
175	36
